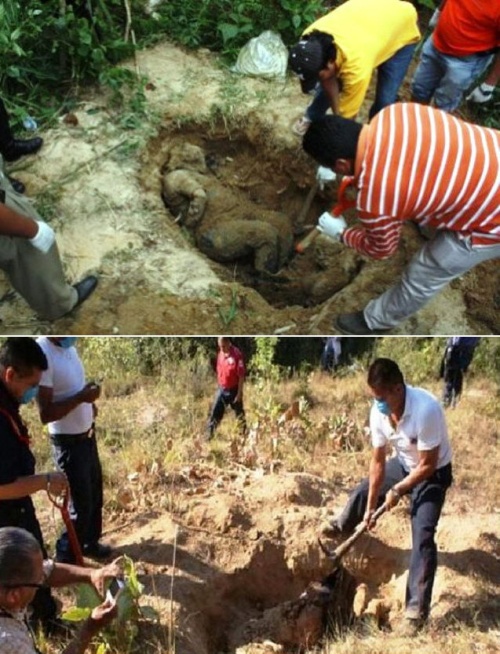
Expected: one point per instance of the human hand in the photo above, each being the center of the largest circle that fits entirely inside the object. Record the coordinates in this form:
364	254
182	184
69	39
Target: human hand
99	576
324	175
102	615
482	93
369	520
331	226
56	483
44	238
434	19
392	498
90	392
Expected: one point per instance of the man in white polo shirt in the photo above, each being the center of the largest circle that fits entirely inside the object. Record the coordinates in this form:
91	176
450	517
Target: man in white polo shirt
412	422
66	404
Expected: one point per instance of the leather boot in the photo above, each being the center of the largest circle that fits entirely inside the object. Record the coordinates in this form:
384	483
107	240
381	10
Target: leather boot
17	148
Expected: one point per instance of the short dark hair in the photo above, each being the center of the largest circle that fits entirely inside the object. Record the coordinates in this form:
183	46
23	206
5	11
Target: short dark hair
23	354
327	43
384	373
17	548
332	138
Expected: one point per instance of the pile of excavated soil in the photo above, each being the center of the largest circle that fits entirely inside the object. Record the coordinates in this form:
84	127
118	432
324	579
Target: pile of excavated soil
227	567
98	183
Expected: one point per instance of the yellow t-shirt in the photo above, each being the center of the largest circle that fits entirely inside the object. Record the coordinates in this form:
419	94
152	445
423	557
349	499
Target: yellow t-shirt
366	33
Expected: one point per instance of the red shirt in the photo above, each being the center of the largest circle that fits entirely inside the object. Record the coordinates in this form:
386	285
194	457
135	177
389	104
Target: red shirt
230	368
468	26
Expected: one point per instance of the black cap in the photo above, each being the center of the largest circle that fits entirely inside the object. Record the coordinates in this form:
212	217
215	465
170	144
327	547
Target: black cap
306	59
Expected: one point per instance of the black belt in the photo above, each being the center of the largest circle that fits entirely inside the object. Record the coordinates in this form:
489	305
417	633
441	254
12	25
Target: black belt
71	439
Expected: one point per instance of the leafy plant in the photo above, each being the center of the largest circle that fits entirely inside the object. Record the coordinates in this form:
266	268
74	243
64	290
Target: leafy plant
122	632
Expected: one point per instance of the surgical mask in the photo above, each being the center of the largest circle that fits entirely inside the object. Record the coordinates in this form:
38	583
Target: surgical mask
383	407
29	394
67	342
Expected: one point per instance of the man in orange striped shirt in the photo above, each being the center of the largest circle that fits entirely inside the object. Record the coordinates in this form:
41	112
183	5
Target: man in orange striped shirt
417	163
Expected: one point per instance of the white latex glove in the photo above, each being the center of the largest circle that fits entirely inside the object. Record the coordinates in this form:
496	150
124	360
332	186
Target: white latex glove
44	238
331	226
325	175
434	19
481	93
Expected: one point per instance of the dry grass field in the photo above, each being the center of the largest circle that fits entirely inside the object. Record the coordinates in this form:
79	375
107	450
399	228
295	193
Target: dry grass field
224	534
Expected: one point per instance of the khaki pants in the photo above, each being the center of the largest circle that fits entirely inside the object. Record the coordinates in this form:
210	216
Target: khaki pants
440	260
37	277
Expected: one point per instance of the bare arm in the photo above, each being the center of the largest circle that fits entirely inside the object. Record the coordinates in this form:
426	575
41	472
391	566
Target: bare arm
426	467
15	224
101	616
330	84
494	73
376	478
51	410
64	574
239	394
55	482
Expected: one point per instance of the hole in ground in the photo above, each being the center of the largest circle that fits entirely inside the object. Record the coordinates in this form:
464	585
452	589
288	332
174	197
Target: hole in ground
239	204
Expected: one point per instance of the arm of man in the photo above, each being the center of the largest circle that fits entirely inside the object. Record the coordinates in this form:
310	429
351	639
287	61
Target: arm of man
378	238
426	467
239	394
15	224
101	616
64	574
50	410
375	480
331	87
55	482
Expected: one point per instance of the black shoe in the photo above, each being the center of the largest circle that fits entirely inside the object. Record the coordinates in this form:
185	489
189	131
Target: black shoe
17	185
355	323
17	148
98	551
85	288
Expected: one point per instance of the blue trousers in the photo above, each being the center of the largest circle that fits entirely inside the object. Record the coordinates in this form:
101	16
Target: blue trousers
427	499
79	460
390	76
224	398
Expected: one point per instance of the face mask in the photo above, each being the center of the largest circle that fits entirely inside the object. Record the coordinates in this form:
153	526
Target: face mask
29	394
383	407
67	342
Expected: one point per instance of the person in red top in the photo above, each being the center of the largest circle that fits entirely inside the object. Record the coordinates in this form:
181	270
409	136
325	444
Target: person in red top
466	40
230	380
413	162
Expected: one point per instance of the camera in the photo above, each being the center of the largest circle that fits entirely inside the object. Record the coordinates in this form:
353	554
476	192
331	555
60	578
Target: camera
115	588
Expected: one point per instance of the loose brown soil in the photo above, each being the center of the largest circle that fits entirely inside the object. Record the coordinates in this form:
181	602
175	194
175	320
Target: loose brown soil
99	186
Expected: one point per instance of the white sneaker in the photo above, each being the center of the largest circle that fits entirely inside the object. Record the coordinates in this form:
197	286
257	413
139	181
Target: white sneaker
301	126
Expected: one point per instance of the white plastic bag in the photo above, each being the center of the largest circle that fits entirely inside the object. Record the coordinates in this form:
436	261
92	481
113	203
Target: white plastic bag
263	56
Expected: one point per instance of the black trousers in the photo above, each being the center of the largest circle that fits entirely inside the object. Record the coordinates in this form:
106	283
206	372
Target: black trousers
426	502
223	399
21	513
78	458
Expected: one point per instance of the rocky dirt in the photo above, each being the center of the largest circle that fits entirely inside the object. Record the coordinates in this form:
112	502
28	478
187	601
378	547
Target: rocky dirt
227	566
99	184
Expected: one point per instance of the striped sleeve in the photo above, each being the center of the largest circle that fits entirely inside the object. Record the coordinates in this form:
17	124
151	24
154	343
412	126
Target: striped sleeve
378	238
424	165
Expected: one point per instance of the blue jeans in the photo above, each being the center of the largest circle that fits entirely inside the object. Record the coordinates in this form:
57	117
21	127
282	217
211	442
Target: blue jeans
445	78
427	499
79	460
390	75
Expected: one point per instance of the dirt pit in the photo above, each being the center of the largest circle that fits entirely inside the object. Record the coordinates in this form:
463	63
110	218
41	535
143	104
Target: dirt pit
245	578
98	183
247	187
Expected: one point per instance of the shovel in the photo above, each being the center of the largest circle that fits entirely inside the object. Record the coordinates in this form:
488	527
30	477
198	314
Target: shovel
336	555
61	502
